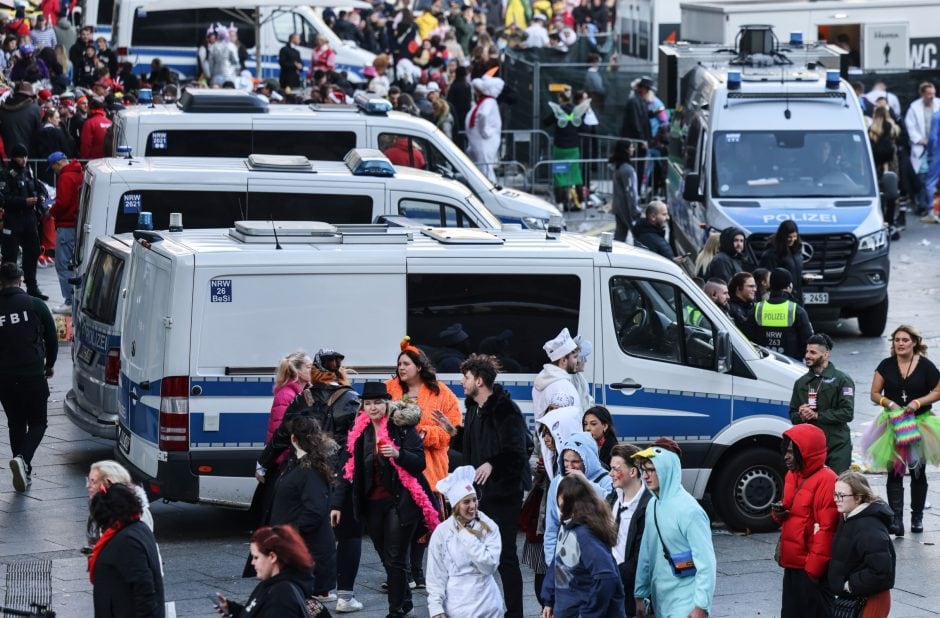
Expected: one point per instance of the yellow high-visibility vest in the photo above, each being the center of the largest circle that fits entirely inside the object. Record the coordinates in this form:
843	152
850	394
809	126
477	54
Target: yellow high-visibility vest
775	315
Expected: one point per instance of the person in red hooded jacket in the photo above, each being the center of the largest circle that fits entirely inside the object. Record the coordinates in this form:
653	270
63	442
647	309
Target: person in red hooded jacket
65	212
808	519
93	131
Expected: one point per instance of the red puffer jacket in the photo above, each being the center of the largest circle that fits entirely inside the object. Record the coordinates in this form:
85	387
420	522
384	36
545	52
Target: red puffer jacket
807	496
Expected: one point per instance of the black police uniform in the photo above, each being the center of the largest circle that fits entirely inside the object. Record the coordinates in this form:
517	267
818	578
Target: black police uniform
28	346
20	221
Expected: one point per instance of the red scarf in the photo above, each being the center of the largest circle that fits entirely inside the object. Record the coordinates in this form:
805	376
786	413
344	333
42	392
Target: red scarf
106	536
476	108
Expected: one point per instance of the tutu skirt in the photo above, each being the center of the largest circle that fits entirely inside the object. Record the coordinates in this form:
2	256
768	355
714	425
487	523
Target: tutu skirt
885	451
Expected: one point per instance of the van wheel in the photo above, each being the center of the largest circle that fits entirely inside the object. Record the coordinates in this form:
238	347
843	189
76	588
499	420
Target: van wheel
745	487
873	320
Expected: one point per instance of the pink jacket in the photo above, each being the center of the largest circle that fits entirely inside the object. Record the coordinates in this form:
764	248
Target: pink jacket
283	395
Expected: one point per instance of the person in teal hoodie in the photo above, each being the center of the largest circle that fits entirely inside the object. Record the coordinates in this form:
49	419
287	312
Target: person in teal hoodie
675	525
578	456
584	581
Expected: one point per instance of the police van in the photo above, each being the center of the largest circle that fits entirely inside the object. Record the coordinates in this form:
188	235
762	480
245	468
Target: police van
141	30
227	123
206	318
766	132
211	193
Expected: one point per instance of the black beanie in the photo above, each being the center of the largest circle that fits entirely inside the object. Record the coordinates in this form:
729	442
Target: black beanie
19	150
780	279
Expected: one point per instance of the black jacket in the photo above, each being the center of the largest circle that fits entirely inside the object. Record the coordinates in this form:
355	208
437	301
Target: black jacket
727	262
495	434
19	122
636	121
302	498
401	430
288	58
793	262
742	313
790	341
281	596
631	552
652	238
862	553
127	574
19	184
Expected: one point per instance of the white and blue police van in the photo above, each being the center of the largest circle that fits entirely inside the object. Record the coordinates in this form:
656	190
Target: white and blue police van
207	318
766	132
227	123
210	193
141	30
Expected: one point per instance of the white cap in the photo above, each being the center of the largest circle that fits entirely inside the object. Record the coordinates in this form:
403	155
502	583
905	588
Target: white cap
457	485
585	344
560	346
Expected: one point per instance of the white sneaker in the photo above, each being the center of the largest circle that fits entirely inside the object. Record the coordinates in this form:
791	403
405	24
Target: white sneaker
21	478
329	597
62	309
345	606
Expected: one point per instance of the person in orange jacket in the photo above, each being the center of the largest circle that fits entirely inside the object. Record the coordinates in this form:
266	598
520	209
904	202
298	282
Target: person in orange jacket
417	382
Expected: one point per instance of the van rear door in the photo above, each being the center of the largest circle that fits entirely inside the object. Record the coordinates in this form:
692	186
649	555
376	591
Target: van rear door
143	347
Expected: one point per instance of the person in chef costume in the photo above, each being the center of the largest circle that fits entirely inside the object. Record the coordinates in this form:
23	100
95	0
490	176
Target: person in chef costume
463	556
484	123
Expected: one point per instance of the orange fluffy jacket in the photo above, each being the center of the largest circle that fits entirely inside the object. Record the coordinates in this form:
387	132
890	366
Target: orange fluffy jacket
436	440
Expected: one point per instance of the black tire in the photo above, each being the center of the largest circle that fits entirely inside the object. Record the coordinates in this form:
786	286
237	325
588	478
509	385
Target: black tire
872	321
745	486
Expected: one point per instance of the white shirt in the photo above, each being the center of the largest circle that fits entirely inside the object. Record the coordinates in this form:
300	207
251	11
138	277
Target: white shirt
626	515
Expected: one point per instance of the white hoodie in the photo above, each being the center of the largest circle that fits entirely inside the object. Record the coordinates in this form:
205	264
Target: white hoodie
484	125
553	385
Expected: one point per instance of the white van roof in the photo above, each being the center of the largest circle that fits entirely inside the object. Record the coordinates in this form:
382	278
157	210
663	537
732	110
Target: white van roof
378	244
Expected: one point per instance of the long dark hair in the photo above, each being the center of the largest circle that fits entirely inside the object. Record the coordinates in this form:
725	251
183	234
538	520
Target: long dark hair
787	227
621	154
603	415
318	446
582	505
425	370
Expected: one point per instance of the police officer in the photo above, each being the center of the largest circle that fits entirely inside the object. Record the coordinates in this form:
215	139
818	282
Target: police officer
825	397
22	197
28	348
779	322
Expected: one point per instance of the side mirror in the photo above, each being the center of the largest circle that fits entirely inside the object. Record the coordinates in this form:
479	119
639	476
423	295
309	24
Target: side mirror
723	352
691	191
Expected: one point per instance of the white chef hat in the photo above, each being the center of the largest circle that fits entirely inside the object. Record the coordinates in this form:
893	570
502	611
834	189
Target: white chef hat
559	346
585	344
457	485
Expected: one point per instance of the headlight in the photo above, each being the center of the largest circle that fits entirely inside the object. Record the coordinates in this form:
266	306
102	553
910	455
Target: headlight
534	223
874	242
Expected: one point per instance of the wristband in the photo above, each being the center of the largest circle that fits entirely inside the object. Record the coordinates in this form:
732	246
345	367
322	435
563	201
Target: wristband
881	402
917	401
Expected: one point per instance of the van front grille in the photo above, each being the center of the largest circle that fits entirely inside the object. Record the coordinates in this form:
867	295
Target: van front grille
829	254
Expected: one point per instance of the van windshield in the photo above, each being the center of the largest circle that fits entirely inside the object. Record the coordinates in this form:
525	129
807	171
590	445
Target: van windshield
753	164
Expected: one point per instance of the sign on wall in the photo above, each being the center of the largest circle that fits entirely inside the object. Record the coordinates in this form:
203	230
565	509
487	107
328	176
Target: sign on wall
886	46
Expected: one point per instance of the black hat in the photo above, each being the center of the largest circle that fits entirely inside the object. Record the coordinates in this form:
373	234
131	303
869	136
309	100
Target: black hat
453	334
19	150
375	390
9	271
780	279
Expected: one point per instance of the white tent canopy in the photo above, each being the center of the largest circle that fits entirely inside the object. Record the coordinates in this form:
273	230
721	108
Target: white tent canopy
235	6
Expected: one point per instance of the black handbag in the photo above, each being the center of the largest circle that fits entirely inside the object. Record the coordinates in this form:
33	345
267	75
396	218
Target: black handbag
847	607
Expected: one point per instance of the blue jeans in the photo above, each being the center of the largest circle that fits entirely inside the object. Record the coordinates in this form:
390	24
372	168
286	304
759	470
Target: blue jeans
64	250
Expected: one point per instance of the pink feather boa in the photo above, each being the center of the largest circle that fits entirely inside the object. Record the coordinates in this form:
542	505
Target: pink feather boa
431	517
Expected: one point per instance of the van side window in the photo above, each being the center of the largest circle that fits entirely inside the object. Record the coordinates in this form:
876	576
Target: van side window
507	315
649	325
186	28
83	214
433	213
105	12
403	150
286	22
200	209
691	143
310	207
102	286
434	159
196	143
315	145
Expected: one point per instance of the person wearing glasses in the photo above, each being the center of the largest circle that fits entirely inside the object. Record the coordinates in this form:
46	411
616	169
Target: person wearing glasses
676	566
807	517
861	571
742	290
627	503
103	474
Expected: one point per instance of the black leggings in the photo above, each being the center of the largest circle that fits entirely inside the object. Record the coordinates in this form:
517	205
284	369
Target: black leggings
392	541
918	486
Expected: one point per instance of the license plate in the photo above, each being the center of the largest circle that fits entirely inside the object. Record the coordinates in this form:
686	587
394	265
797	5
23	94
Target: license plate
124	440
86	354
815	298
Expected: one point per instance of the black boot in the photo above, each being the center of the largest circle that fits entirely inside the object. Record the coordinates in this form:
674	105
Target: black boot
918	499
896	502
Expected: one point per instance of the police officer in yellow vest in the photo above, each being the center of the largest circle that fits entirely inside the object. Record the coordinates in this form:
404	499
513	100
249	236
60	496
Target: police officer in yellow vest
779	322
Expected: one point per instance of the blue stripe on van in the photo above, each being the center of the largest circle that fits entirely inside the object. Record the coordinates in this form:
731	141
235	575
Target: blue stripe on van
236	429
